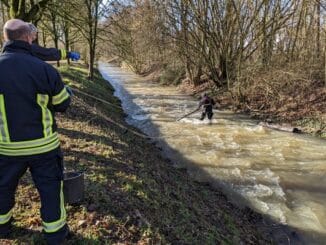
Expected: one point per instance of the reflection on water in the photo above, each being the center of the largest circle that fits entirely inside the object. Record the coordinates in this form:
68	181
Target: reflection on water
280	174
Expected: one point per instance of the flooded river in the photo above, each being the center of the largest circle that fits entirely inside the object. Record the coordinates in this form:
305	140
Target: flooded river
280	174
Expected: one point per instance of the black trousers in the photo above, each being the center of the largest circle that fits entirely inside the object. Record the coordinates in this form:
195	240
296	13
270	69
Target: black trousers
208	111
47	174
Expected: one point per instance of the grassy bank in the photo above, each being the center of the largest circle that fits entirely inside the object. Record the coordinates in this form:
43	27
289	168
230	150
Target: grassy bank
133	195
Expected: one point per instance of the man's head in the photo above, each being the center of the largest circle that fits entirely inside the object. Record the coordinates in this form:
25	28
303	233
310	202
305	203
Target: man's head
33	30
16	29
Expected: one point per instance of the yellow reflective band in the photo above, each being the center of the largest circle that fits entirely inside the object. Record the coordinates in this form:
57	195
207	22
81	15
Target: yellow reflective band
54	226
29	143
5	218
57	225
63	53
62	204
31	151
59	98
47	120
4	133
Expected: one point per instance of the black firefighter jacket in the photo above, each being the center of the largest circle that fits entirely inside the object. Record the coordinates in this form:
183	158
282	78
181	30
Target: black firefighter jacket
31	91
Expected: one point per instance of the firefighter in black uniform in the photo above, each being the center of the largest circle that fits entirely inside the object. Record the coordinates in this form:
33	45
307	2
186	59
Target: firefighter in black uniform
31	91
207	103
50	54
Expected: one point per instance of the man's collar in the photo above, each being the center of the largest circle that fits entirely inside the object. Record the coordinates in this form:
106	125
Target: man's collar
17	46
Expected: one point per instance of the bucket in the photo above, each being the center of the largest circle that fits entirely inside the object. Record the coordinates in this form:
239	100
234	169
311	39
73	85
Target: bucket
73	187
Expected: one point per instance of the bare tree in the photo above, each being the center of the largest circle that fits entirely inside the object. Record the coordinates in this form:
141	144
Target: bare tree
25	10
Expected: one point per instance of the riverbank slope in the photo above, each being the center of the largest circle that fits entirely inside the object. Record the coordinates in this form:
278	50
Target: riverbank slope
133	195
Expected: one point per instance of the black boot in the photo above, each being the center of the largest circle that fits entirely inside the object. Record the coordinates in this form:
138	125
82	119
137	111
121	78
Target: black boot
57	238
5	230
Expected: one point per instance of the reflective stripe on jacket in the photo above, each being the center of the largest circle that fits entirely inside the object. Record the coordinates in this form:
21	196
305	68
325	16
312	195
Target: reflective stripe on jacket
31	91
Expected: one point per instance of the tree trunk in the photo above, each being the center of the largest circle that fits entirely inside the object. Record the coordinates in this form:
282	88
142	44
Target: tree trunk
3	19
55	32
56	39
318	20
184	30
44	35
91	63
67	41
224	68
199	72
18	9
265	59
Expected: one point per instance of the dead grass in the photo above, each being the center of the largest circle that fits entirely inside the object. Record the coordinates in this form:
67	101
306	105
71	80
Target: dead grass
294	94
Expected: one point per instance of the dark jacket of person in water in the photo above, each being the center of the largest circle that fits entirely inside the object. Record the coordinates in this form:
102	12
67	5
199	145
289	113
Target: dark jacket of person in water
207	103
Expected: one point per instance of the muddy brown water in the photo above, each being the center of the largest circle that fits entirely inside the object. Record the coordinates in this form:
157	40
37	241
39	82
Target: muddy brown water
279	174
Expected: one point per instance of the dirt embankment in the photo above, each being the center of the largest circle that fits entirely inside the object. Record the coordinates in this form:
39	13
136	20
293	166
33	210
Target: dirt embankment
133	195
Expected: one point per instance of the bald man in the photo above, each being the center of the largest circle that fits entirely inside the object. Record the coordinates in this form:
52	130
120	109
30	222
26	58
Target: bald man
31	91
16	29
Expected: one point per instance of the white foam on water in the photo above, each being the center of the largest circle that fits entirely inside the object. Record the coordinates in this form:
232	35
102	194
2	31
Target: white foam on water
279	155
187	120
140	117
240	154
255	129
219	145
276	211
306	214
199	140
236	162
260	205
200	122
234	146
265	174
236	172
257	190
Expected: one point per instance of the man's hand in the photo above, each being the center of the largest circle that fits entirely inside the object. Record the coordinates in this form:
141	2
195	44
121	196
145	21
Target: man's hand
73	55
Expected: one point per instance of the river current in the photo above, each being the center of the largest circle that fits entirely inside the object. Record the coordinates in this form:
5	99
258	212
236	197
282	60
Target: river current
279	174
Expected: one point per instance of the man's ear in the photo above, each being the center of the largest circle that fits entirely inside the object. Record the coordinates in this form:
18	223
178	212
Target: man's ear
29	39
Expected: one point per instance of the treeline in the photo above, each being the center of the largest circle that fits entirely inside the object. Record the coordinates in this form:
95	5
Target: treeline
218	37
73	25
265	53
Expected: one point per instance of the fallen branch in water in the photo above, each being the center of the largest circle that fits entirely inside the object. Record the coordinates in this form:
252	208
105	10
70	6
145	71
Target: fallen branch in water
188	114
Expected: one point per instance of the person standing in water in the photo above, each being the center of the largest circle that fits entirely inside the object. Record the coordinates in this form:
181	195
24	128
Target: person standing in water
207	104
